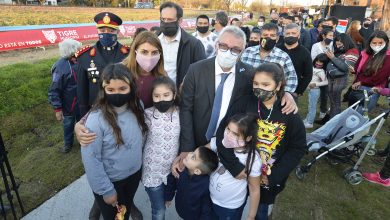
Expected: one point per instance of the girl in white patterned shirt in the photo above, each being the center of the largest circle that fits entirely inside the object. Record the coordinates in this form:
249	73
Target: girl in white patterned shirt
162	142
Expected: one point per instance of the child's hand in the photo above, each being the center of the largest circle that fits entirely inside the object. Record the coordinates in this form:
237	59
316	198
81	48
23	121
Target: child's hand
312	85
112	200
376	89
59	116
168	203
250	218
264	180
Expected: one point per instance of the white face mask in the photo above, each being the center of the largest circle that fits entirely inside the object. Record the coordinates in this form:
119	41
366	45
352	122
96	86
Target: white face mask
226	59
376	49
260	23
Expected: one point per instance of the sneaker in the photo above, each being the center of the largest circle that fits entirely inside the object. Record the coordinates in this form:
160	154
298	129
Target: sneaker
322	115
307	125
376	178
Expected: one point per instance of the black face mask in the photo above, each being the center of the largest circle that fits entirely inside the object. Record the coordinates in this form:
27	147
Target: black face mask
327	41
118	100
263	95
274	21
169	28
290	40
340	50
202	29
163	106
267	43
252	43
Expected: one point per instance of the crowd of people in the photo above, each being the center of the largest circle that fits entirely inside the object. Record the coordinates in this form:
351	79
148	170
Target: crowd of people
210	118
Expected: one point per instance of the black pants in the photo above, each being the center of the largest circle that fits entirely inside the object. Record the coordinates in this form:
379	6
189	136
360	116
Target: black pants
324	99
125	190
385	172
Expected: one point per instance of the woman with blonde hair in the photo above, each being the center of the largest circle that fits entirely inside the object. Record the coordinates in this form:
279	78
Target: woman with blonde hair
146	62
353	32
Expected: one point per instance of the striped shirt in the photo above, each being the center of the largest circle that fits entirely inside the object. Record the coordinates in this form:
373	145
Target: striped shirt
252	57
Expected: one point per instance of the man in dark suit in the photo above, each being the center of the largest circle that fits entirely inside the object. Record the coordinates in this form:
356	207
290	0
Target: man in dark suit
203	104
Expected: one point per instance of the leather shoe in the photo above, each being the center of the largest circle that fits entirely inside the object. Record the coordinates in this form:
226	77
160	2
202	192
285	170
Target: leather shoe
135	213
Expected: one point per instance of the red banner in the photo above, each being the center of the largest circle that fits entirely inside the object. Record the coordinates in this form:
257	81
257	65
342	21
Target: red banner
11	40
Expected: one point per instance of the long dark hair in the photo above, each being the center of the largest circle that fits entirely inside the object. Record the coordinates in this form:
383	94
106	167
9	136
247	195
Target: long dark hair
376	61
276	72
168	82
247	127
119	72
322	58
346	40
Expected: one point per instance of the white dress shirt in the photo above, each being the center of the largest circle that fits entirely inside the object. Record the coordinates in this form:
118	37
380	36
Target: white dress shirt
170	50
227	92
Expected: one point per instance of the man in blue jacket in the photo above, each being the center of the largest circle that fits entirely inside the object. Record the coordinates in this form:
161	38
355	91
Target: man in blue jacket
63	90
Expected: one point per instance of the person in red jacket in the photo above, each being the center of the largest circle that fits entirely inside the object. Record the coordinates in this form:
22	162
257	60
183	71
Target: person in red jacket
372	68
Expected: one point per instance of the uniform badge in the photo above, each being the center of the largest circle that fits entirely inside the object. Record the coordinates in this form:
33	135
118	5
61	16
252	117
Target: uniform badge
106	19
93	73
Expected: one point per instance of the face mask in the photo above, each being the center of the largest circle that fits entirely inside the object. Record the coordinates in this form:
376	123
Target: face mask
263	95
118	100
327	27
377	49
231	142
252	43
260	23
169	28
202	29
107	39
147	63
318	66
340	49
366	25
327	41
226	59
267	43
163	106
274	21
290	40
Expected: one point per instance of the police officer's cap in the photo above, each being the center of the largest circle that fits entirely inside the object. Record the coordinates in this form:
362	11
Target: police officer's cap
107	19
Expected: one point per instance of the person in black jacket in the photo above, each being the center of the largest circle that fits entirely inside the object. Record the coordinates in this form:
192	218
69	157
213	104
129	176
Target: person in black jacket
300	57
180	48
93	59
63	90
281	139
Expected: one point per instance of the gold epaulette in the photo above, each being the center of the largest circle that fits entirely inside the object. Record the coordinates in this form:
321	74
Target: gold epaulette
82	50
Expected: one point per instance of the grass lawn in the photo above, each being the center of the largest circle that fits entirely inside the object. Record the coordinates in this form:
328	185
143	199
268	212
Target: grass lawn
33	137
40	15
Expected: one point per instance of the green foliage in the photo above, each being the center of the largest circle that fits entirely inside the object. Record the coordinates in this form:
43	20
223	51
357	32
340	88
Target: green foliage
24	85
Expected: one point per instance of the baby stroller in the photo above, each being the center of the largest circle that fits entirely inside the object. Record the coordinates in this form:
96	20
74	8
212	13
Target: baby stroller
343	138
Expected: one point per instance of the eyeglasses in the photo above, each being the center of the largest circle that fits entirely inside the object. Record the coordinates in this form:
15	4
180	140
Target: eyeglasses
233	50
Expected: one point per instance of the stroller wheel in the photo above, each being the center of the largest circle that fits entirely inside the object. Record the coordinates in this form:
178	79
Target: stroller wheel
300	173
354	177
371	152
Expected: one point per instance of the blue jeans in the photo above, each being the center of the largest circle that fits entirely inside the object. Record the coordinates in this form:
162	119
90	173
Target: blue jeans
262	212
222	213
156	197
68	123
314	94
373	99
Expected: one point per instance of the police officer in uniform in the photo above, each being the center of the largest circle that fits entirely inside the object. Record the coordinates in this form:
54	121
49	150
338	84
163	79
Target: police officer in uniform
91	62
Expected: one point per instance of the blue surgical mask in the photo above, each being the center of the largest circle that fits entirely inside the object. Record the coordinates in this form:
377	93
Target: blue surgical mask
108	39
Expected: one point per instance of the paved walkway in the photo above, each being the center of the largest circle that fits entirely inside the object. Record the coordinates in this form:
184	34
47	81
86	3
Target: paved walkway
75	201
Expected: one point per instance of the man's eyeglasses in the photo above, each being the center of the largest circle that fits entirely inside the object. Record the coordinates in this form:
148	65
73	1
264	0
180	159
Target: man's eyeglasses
233	50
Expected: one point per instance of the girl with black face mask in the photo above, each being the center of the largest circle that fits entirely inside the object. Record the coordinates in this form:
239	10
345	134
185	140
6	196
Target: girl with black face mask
281	138
113	160
162	142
